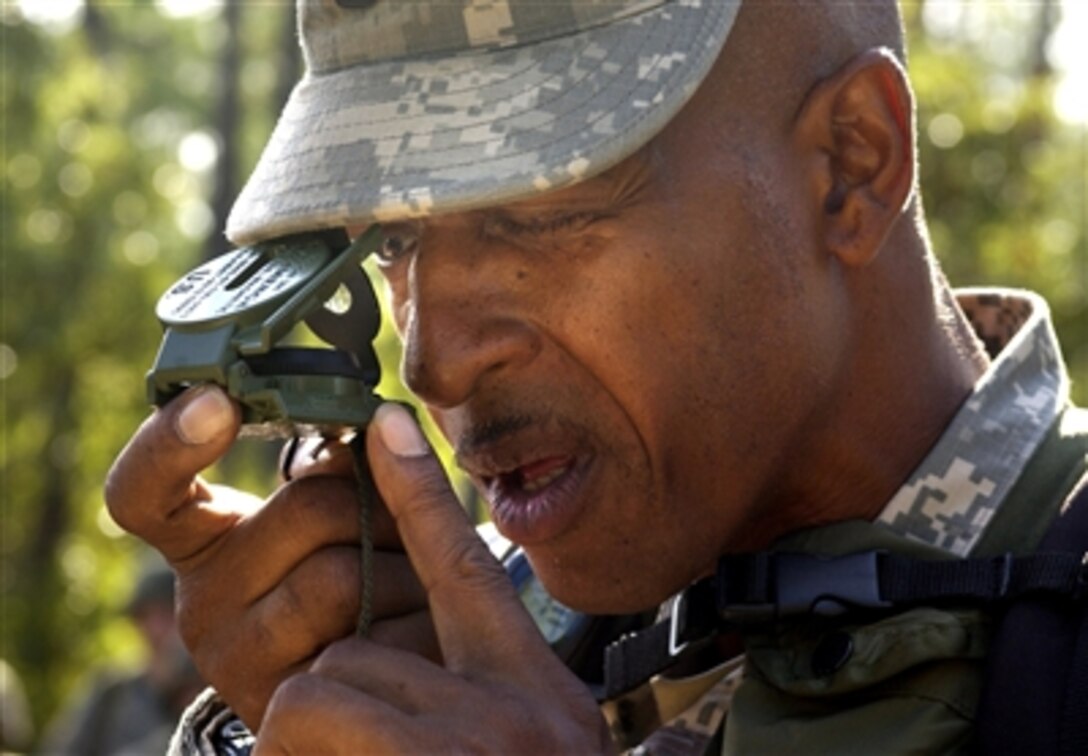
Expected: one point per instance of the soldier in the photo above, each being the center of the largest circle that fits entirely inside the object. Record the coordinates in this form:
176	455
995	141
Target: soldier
663	280
133	712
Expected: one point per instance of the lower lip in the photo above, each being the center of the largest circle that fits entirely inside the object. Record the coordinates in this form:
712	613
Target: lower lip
528	518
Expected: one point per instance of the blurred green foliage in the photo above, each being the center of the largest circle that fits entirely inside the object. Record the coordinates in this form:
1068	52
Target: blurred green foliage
1005	182
111	130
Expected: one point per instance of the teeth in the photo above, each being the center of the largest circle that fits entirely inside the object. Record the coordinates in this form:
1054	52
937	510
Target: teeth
539	482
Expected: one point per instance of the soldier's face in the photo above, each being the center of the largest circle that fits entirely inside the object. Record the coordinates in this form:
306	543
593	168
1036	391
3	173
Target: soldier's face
626	367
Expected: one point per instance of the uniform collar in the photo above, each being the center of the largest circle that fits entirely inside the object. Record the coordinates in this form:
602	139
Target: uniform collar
953	494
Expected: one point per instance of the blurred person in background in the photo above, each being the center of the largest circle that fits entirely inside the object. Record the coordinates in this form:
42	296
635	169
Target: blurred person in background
133	713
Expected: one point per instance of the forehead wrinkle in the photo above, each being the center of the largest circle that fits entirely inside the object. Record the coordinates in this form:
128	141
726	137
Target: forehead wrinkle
632	175
612	186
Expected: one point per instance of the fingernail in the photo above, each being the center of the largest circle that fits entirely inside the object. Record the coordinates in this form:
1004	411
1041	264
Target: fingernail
207	414
399	431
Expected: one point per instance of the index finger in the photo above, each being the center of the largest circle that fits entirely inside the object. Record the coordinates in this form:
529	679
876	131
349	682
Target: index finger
480	621
153	490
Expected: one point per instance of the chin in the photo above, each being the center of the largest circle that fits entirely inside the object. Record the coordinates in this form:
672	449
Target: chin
607	594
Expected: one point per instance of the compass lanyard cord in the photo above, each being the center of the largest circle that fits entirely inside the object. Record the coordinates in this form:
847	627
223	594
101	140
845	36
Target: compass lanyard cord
367	495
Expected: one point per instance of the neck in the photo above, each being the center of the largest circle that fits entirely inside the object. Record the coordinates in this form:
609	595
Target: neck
913	360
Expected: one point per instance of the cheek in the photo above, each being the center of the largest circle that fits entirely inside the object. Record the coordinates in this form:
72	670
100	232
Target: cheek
678	360
724	336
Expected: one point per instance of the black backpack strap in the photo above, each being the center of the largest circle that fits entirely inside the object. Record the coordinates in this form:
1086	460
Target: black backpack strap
1035	699
1074	723
757	589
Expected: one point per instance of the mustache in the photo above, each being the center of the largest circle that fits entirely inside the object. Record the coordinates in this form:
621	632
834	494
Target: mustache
485	434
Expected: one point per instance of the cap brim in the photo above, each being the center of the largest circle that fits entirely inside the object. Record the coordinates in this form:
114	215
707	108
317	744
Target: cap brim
422	136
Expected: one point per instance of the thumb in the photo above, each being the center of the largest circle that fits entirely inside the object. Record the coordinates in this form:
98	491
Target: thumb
153	491
479	619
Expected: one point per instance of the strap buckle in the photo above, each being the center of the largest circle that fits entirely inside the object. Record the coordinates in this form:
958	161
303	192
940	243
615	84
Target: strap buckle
677	608
784	585
692	616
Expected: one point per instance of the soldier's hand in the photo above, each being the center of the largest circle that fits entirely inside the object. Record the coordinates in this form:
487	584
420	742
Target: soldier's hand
263	586
500	688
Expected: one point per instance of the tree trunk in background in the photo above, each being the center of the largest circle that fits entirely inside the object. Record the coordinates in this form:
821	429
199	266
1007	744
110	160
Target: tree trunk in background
226	123
1046	21
289	64
97	30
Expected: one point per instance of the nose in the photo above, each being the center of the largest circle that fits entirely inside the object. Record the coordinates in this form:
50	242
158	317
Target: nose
464	322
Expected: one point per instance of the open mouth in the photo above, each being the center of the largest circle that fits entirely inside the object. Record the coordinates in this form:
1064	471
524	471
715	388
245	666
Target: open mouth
538	500
534	473
535	476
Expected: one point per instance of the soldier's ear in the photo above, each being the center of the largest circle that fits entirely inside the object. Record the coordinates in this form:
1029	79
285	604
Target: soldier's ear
856	133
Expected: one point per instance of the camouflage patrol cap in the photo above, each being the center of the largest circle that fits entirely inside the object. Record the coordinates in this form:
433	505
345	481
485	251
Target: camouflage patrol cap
413	107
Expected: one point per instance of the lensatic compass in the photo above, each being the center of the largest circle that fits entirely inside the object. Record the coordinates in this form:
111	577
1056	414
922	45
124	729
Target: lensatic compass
226	320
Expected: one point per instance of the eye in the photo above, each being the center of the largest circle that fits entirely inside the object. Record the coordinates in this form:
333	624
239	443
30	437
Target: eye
398	243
